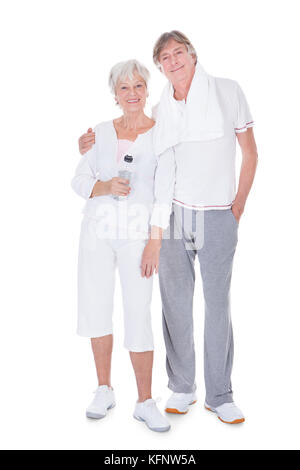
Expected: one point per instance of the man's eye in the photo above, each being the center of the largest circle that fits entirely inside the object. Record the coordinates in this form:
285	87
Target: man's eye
164	58
139	86
123	88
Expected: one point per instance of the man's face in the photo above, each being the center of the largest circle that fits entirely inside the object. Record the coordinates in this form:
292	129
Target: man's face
176	63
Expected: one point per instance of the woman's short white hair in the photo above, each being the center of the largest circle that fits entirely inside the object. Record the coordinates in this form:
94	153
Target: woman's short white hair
123	70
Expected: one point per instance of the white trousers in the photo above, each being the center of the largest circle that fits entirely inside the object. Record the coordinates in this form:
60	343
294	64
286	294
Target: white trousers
97	262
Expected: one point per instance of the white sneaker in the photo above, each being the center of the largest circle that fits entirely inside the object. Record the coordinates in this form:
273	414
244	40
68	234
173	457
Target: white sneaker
104	399
228	413
148	412
180	402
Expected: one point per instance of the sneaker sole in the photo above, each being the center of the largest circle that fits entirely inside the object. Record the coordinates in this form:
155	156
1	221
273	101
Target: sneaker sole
175	411
152	429
236	421
91	415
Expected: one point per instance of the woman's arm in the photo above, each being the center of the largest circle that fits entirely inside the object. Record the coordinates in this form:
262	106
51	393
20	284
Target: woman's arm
163	196
86	184
116	186
85	177
164	189
150	259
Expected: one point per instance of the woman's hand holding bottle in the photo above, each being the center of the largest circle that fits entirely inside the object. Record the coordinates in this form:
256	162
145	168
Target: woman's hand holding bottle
116	187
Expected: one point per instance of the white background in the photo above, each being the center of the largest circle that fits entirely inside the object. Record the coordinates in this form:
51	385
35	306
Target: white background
56	56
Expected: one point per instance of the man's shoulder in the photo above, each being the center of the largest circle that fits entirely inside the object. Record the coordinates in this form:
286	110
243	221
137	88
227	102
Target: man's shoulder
227	90
226	84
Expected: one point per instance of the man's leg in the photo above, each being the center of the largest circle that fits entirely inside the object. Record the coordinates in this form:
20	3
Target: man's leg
216	259
177	279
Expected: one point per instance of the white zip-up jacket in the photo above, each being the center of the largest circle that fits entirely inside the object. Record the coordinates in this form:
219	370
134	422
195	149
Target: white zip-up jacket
152	183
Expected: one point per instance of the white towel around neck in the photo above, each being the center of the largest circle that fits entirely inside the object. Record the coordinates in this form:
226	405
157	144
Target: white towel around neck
198	120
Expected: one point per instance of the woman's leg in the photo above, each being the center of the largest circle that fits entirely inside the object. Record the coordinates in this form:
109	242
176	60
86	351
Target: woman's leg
102	349
96	283
142	363
145	408
104	398
137	293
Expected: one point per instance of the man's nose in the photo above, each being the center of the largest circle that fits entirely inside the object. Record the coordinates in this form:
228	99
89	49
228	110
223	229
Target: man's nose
173	60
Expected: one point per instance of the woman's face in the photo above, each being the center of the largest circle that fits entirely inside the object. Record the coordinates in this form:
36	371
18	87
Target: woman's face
130	94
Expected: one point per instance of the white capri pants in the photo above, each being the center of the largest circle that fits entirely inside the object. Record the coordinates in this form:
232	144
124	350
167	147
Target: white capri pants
97	263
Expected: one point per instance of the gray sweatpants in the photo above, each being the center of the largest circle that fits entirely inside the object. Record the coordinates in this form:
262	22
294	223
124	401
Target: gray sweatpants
212	236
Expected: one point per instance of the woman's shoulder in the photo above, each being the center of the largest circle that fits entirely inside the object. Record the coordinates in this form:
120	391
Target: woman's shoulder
148	130
103	126
155	111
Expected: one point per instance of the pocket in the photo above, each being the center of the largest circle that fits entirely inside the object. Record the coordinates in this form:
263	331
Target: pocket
236	222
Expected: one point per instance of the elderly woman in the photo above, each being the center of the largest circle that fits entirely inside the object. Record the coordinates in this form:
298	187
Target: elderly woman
122	227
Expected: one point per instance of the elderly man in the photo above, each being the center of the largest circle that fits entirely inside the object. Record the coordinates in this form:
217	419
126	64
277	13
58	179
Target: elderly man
200	117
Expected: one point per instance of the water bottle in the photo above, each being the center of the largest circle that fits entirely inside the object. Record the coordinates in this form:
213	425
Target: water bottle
126	173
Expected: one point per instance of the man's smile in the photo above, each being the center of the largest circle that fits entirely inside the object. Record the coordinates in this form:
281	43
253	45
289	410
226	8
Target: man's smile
175	70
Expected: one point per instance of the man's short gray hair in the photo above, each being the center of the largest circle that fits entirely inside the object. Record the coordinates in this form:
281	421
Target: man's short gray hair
123	70
165	38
